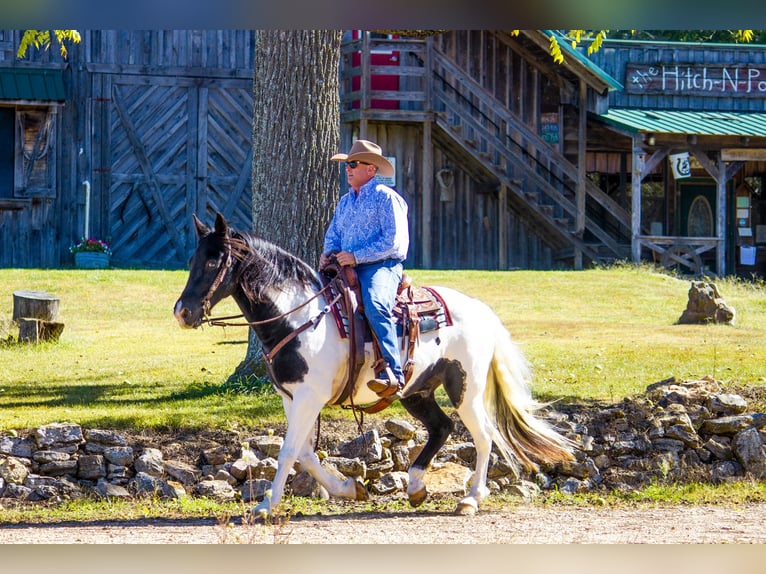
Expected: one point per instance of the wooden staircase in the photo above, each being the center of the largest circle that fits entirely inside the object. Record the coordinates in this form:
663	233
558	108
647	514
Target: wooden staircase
542	180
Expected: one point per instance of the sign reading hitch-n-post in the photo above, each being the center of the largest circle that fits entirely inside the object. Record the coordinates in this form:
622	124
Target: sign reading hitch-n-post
743	80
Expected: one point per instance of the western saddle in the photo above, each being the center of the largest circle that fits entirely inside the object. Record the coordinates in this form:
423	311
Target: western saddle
417	309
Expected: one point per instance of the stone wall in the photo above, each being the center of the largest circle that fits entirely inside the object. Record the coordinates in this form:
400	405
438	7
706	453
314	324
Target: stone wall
677	431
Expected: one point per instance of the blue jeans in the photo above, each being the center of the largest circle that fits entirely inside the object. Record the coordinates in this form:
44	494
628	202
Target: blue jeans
379	282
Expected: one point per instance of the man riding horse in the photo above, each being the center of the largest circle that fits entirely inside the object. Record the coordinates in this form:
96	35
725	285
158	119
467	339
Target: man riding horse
369	232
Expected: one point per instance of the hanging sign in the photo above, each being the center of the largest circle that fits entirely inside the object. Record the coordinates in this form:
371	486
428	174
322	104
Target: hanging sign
679	163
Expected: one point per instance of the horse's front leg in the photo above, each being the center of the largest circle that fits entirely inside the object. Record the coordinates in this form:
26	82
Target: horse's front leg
301	413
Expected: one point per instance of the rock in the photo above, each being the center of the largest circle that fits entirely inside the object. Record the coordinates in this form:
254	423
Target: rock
389	483
218	489
269	445
725	470
46	456
726	404
401	429
59	468
16	491
105	437
727	425
184	473
13	471
524	489
720	447
106	489
144	484
91	467
246	467
225	476
216	455
706	305
351	467
305	485
58	434
749	451
119	455
450	478
17	446
150	461
267	468
367	447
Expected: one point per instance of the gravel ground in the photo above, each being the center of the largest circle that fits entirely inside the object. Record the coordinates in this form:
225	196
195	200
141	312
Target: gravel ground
523	525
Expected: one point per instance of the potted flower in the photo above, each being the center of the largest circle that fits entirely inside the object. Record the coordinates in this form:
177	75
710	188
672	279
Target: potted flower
91	254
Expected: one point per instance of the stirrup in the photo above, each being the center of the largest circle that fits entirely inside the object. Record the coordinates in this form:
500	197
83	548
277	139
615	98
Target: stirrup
385	387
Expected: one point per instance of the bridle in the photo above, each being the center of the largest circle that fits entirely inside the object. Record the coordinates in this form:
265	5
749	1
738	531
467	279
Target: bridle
216	284
227	320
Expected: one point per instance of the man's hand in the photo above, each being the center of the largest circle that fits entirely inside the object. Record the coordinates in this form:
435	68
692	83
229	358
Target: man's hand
345	258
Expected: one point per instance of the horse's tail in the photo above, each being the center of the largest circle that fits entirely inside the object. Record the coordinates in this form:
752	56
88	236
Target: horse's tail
509	402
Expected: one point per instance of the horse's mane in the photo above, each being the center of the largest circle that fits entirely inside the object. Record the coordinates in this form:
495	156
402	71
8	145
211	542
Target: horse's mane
265	265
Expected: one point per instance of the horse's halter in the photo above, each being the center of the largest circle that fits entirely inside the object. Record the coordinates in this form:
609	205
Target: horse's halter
216	282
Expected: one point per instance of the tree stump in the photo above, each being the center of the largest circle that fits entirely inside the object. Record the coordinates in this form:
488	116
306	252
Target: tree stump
36	330
35	305
36	313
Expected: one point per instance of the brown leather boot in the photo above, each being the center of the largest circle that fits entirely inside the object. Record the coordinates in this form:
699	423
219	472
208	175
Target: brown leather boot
384	387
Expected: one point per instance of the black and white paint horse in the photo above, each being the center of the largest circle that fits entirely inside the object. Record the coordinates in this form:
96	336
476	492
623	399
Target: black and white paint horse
482	371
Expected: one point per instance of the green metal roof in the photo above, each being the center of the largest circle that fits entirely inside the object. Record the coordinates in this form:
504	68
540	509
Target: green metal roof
31	84
683	122
583	60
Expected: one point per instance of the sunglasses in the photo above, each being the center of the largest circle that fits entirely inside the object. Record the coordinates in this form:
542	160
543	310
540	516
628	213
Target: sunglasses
353	164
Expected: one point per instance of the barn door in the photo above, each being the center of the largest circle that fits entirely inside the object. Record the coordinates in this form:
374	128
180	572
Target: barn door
176	146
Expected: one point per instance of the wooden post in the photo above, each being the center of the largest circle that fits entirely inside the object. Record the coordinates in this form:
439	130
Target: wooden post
721	219
639	157
426	210
581	167
502	232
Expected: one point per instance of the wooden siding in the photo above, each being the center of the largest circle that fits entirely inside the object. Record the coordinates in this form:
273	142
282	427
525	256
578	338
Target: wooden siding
159	125
615	57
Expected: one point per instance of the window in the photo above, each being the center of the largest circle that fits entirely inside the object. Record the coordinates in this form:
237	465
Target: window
7	151
35	139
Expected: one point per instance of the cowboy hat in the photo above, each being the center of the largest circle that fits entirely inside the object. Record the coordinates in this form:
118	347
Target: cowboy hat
367	152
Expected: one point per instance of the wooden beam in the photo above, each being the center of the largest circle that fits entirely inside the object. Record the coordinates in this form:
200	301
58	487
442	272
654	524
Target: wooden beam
743	154
426	211
639	157
706	162
581	191
721	219
502	232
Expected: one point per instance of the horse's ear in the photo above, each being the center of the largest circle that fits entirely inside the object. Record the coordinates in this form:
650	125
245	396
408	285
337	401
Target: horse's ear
201	228
221	227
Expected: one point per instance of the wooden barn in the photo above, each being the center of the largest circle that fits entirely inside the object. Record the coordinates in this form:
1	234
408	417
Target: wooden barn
123	141
507	159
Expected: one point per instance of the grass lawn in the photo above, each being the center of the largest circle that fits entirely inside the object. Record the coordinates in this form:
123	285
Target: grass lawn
123	362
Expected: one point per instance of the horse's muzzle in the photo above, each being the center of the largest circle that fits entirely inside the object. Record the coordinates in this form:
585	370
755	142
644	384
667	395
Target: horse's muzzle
185	317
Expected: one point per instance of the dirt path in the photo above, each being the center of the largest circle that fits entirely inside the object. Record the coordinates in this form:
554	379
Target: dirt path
522	525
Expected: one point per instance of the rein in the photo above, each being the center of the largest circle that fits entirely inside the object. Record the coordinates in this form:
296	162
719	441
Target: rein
269	355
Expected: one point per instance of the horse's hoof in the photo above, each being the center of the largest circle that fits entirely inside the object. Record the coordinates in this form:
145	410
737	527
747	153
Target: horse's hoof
259	513
418	498
466	509
361	491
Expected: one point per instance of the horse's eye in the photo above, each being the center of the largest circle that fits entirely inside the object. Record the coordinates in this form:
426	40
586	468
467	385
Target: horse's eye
211	264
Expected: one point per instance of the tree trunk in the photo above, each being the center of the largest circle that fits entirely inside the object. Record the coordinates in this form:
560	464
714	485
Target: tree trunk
296	129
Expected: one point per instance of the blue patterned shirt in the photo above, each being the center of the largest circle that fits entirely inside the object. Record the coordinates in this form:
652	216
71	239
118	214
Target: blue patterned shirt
371	224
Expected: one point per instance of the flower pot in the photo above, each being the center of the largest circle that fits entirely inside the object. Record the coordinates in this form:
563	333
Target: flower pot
91	260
